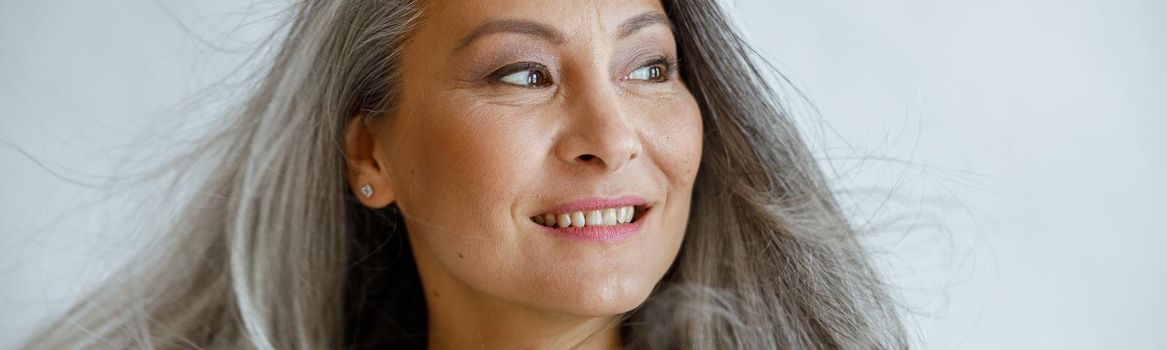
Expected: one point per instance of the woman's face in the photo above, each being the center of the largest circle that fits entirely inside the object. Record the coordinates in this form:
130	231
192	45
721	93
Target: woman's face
514	112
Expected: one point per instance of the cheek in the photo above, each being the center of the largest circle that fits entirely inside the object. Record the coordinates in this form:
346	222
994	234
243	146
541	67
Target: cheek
465	168
465	159
676	136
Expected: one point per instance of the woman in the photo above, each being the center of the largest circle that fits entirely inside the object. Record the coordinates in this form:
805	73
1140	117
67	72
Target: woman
503	174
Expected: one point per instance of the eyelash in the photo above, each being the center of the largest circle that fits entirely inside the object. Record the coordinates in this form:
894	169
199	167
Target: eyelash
667	65
539	81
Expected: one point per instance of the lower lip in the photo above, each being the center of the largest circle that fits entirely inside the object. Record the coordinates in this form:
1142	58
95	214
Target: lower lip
611	233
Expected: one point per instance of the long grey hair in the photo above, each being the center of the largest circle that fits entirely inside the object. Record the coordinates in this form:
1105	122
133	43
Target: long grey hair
274	252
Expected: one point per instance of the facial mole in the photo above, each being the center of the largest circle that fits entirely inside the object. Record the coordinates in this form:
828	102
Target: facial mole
459	255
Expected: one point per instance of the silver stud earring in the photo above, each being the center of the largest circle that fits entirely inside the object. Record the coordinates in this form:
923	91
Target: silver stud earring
367	190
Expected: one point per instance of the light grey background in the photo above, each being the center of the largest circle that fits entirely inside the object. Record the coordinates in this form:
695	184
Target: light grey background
1005	157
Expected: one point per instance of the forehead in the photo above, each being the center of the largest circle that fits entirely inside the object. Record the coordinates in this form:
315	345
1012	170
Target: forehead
572	17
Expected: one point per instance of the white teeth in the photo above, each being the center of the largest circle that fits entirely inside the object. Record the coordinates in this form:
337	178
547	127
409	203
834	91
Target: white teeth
595	218
599	217
563	220
577	219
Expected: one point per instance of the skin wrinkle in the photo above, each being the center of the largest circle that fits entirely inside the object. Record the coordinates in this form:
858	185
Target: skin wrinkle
473	159
769	259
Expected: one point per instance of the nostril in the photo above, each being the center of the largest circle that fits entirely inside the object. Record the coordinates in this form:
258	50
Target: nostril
586	157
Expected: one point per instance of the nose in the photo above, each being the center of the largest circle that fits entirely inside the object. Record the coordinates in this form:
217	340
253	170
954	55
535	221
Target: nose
598	135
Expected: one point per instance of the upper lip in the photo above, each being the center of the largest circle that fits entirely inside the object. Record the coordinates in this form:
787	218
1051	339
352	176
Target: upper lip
596	203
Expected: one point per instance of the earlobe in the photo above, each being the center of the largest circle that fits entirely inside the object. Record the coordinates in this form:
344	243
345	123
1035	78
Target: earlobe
366	176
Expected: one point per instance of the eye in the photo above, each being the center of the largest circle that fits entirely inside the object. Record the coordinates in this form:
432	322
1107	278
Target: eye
656	70
648	73
525	74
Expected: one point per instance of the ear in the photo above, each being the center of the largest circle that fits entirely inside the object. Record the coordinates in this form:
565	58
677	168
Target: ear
363	167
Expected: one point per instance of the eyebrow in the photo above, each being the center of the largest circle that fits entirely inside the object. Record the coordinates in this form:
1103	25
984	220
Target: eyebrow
629	27
635	24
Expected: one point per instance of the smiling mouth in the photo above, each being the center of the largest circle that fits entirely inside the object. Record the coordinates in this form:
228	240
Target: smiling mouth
592	218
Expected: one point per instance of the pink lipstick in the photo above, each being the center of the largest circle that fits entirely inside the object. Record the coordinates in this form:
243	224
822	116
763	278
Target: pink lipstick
595	219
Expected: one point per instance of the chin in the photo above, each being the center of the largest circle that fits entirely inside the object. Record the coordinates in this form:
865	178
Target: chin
608	298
